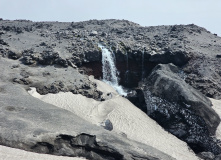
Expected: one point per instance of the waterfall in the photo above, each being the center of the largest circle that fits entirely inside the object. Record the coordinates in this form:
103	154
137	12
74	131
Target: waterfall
110	71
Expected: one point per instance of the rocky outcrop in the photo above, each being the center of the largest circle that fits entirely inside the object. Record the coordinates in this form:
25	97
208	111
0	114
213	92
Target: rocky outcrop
30	124
54	57
181	109
50	79
137	49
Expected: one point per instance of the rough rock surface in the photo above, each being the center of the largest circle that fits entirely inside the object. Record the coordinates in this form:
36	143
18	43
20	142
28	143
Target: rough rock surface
137	48
181	109
54	56
50	79
30	124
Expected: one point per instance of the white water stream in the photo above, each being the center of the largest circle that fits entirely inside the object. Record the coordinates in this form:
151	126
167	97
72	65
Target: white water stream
110	71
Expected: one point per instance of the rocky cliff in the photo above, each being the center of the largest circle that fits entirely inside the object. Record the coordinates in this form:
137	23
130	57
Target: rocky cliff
59	56
193	48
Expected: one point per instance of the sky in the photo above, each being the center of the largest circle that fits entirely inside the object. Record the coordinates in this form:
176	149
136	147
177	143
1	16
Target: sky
204	13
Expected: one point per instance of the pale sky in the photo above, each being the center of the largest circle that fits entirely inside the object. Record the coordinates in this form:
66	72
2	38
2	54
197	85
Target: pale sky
205	13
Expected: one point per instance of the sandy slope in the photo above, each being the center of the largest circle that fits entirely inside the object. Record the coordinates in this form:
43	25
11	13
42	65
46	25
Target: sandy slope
7	153
125	117
217	107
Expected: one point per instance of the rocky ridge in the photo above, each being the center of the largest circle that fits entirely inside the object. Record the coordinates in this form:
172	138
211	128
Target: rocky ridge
193	48
55	56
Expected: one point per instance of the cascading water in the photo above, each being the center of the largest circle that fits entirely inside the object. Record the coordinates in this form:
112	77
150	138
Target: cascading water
110	71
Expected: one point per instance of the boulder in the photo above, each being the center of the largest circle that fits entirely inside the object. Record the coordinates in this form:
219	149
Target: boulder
165	82
181	109
107	124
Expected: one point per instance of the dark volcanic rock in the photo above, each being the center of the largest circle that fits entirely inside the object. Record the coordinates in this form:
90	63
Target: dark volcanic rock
52	52
50	79
189	46
218	157
137	98
180	109
178	58
164	80
93	56
14	55
2	42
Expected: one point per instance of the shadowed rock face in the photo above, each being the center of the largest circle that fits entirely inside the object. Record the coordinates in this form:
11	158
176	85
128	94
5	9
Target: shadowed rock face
180	109
82	145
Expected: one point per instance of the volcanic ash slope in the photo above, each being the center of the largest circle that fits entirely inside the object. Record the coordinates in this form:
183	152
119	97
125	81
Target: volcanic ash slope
126	119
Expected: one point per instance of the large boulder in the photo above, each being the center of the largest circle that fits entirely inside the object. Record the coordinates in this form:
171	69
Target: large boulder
181	109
